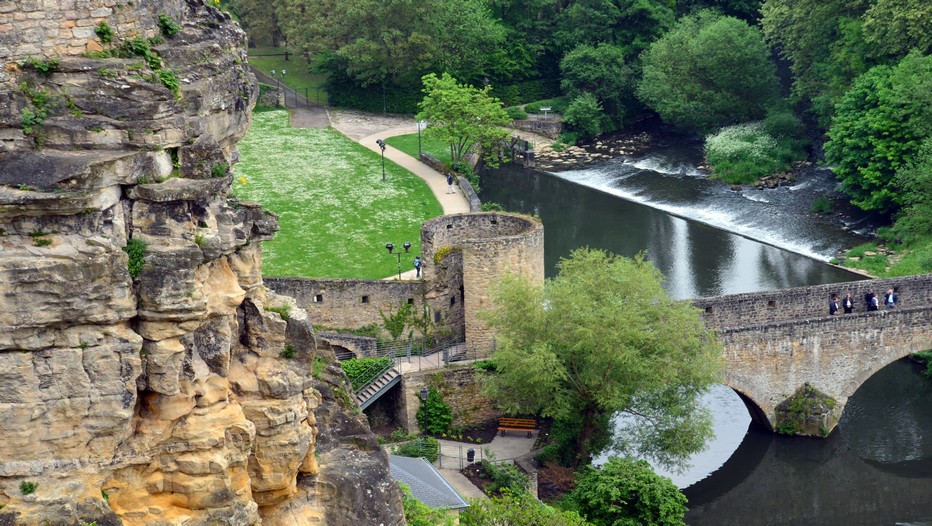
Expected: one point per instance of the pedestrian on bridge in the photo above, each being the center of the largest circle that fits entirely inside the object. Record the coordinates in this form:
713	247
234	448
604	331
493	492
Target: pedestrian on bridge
848	303
890	299
871	299
833	306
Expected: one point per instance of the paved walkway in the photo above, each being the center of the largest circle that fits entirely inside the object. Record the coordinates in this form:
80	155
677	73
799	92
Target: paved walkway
453	458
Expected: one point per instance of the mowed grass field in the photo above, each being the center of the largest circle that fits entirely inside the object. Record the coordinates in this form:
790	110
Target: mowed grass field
439	149
335	213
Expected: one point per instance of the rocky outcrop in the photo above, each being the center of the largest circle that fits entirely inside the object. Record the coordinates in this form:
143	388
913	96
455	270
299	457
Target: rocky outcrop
142	378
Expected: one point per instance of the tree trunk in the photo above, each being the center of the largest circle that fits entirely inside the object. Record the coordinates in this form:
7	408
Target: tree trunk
584	442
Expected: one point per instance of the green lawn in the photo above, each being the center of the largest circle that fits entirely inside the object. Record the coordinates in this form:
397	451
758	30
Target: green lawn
408	143
298	76
335	212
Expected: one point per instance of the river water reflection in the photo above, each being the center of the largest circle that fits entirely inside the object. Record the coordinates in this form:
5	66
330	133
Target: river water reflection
876	469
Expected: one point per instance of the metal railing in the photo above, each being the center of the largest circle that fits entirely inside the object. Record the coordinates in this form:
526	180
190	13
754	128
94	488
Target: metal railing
371	374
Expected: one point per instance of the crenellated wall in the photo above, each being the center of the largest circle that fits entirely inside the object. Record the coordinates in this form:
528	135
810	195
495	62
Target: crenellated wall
490	245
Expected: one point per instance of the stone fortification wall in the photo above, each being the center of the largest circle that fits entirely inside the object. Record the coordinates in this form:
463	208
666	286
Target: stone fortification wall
757	308
348	303
34	28
460	388
490	245
834	354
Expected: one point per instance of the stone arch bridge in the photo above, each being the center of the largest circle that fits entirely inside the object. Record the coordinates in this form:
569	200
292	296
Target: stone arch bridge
777	342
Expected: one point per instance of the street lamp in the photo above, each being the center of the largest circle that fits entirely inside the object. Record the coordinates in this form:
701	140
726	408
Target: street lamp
381	144
424	393
391	248
420	126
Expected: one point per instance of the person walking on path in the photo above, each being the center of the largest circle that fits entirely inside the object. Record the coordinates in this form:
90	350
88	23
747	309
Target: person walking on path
847	304
417	265
871	299
833	306
450	189
890	299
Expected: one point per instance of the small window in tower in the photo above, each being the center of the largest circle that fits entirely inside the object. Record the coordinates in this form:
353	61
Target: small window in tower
318	298
364	299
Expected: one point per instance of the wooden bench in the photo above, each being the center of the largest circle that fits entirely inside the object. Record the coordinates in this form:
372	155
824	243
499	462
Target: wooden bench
517	424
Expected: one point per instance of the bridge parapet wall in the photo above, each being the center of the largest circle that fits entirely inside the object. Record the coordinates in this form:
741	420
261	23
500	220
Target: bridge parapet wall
758	308
768	362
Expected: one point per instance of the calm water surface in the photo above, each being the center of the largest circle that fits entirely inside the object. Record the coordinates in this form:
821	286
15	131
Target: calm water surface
877	467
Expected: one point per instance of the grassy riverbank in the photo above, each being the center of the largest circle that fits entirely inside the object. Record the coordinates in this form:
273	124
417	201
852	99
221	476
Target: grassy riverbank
334	210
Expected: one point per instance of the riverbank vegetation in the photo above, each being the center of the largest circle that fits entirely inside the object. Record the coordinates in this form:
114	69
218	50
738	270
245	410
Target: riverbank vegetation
335	211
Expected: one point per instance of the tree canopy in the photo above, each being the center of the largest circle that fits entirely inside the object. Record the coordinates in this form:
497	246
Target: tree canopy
603	338
462	115
878	127
708	71
627	492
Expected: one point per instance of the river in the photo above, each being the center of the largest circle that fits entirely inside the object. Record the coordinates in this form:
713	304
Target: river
709	240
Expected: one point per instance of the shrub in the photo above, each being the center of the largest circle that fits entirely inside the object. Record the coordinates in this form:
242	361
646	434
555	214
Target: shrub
136	249
168	27
744	153
361	371
104	32
45	67
585	116
283	310
425	447
169	79
821	205
219	170
28	487
434	416
288	352
503	477
557	105
516	113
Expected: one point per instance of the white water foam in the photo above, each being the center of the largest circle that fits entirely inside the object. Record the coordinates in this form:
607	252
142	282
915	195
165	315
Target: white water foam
661	165
715	217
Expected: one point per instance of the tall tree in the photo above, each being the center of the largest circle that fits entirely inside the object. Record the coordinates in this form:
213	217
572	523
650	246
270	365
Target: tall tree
823	41
603	72
462	115
894	27
630	24
708	71
599	339
878	127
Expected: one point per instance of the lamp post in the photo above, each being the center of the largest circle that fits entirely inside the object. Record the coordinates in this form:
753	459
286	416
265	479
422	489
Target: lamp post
391	248
423	394
381	144
420	126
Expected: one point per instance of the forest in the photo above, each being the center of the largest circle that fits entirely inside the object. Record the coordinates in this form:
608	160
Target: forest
844	83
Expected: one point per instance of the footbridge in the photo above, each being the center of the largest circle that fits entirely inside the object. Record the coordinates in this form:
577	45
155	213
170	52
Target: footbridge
778	342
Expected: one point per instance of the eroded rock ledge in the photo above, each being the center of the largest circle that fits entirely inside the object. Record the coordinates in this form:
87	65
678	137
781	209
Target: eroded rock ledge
170	396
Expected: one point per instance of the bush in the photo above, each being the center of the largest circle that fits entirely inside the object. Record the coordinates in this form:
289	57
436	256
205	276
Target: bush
27	487
558	105
372	98
168	27
744	153
585	116
104	32
821	205
434	416
288	351
503	477
516	113
423	447
361	371
529	90
136	249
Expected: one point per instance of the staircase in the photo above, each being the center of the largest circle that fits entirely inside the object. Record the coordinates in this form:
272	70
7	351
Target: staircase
375	389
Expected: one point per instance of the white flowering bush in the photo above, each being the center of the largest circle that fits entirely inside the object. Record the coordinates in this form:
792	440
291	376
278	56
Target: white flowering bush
335	212
744	153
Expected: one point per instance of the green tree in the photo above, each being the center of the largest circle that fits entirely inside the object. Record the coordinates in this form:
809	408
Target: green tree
629	24
602	71
599	339
516	509
259	19
585	117
878	127
823	41
915	178
894	27
627	492
462	115
708	71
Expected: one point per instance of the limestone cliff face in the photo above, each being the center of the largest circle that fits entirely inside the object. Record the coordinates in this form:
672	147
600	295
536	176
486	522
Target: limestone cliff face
156	389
